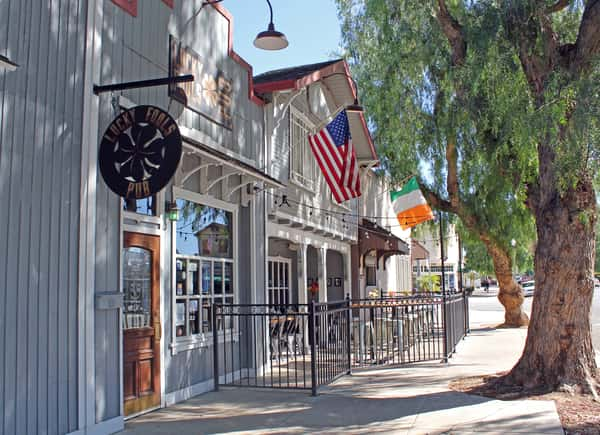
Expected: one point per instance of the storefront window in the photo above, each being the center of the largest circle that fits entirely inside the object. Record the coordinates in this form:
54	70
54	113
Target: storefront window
145	206
204	266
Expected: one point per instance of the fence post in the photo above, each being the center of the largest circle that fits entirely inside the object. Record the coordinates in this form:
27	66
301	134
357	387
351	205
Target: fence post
349	332
444	301
312	329
215	347
467	319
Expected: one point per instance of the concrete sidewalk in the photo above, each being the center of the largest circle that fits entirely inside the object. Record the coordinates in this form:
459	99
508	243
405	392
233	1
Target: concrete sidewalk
409	400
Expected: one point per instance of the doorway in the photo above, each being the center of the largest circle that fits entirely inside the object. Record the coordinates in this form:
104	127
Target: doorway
141	322
279	281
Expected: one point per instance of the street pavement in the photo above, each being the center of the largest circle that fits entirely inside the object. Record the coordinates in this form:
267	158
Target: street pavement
486	302
409	400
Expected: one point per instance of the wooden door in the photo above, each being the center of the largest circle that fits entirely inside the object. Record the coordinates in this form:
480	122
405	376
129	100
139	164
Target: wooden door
141	322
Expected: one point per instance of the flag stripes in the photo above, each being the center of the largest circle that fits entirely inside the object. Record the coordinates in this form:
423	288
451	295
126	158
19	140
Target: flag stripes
334	151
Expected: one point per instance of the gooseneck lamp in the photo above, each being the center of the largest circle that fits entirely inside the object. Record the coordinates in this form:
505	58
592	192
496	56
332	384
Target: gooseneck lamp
270	39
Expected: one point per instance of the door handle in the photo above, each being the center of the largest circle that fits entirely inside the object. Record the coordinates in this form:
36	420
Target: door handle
157	330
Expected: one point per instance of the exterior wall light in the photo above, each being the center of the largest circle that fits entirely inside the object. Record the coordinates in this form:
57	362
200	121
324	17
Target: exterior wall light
6	64
172	211
270	39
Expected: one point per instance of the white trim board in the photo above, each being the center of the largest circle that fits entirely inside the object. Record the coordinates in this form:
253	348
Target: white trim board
86	412
177	192
299	236
199	388
114	425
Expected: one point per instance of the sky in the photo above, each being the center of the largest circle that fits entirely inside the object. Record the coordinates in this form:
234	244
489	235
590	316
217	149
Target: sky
311	27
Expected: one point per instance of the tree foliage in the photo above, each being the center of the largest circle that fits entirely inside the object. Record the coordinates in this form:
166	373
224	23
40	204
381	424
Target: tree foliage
454	116
498	103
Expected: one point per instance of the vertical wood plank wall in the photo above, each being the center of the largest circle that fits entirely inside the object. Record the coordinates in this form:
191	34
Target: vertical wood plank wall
41	106
137	48
40	141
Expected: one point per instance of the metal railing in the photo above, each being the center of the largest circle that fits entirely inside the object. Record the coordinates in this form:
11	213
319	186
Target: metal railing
308	346
267	346
456	309
395	331
330	343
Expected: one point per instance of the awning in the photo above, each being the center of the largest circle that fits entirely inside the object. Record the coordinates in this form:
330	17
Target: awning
372	237
418	251
230	166
336	81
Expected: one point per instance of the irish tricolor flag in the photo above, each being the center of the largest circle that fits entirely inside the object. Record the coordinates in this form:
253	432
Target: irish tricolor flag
410	205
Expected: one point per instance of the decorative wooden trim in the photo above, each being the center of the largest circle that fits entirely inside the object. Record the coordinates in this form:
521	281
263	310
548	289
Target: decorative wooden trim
236	57
340	67
129	6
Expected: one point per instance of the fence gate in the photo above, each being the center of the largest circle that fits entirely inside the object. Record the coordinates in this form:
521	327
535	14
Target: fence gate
297	346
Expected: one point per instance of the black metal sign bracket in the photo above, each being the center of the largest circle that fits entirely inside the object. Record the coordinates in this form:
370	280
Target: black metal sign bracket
142	84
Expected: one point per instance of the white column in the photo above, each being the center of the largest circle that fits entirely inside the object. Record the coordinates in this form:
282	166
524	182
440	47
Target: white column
302	287
347	258
302	274
322	268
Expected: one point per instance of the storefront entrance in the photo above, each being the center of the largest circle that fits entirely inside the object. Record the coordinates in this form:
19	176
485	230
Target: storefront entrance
141	322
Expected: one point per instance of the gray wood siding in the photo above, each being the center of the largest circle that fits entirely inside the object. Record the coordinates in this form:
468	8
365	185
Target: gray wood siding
137	48
320	197
40	141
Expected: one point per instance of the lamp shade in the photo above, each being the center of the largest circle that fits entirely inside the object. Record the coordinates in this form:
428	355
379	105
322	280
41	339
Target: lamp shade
6	64
270	39
355	107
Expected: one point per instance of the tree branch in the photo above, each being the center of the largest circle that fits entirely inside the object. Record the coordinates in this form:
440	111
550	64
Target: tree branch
436	201
452	176
588	38
454	32
558	6
523	30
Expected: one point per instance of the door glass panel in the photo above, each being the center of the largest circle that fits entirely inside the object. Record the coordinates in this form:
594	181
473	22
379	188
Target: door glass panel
228	277
194	316
218	278
137	283
206	277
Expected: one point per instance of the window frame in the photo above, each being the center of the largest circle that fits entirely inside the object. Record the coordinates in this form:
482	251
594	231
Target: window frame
372	269
202	339
273	288
301	179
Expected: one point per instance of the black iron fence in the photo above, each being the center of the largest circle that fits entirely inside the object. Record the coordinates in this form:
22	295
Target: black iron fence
330	343
308	346
456	314
394	331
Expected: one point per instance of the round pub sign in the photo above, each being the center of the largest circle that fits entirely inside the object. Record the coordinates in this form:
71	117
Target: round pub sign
139	152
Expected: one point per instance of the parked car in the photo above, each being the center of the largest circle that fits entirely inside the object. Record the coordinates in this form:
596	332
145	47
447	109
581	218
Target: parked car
528	288
596	283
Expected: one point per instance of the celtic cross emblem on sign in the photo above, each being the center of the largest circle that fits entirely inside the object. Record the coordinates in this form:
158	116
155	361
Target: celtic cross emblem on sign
139	152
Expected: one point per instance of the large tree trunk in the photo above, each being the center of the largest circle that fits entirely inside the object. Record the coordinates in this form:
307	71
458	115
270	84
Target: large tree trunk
559	348
510	293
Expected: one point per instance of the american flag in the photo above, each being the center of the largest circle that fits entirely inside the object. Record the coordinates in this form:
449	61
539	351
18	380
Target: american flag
333	149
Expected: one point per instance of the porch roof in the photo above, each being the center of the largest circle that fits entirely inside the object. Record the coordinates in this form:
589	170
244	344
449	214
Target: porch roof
335	77
418	251
372	237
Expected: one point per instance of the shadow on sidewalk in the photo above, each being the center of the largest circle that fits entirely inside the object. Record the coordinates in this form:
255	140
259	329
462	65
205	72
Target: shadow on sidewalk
233	410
